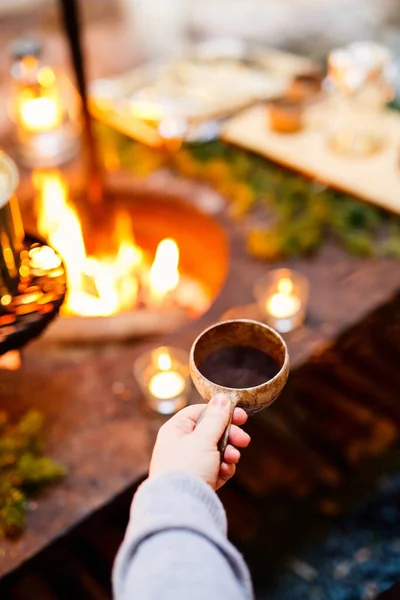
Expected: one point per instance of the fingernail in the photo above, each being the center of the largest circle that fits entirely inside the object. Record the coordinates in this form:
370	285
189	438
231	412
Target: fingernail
220	400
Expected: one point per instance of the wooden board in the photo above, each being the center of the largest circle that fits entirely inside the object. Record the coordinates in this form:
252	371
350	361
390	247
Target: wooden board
97	422
201	97
375	178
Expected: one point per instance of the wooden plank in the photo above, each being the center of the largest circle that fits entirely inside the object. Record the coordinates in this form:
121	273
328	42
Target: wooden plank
105	439
375	178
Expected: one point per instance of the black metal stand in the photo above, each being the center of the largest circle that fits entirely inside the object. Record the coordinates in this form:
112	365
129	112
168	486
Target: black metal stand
70	14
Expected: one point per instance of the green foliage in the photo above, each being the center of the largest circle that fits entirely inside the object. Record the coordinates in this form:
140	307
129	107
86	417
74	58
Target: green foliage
299	213
391	245
23	468
302	212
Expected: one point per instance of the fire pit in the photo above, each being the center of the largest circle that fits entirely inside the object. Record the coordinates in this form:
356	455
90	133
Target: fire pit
159	262
136	264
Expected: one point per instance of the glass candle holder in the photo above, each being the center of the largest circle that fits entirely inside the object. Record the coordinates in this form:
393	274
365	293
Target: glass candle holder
163	376
282	296
285	115
361	80
43	108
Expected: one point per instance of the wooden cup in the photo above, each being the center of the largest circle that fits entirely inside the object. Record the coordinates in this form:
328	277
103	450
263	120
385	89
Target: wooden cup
240	332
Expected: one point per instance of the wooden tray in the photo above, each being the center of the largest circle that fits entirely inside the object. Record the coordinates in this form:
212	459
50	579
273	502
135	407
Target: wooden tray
375	178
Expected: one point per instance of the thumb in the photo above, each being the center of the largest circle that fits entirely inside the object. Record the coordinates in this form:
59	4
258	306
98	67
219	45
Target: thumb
215	420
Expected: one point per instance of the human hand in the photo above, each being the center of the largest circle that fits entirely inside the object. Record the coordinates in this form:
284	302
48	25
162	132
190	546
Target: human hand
181	446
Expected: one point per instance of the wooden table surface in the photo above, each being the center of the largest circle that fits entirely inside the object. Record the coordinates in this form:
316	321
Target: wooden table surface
105	437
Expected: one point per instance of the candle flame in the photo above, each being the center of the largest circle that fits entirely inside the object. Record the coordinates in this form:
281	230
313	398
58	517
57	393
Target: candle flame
40	114
164	361
38	108
285	286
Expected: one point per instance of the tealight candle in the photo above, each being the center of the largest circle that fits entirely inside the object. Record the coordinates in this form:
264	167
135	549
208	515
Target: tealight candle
43	108
167	383
39	114
163	375
282	297
283	304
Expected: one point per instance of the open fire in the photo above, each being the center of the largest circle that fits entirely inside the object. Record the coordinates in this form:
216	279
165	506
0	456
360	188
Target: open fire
111	282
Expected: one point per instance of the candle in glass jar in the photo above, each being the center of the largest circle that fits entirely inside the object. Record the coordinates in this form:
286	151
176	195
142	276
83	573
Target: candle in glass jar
38	103
167	383
163	376
282	296
43	108
40	114
284	303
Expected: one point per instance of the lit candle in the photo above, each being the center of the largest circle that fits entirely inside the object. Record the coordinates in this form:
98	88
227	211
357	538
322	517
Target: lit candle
38	102
163	375
44	109
40	114
167	383
282	296
284	303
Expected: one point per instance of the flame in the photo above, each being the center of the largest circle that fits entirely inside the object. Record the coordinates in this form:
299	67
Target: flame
285	286
99	285
164	273
39	114
164	361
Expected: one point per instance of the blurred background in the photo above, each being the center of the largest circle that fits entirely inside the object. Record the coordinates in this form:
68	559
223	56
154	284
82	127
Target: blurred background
161	29
120	34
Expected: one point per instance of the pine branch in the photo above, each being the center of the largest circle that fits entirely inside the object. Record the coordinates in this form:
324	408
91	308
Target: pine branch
23	467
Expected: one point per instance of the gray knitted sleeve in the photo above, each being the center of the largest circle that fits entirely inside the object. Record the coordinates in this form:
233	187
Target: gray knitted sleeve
176	548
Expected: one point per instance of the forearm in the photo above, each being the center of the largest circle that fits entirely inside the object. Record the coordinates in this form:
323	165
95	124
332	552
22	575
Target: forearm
176	545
